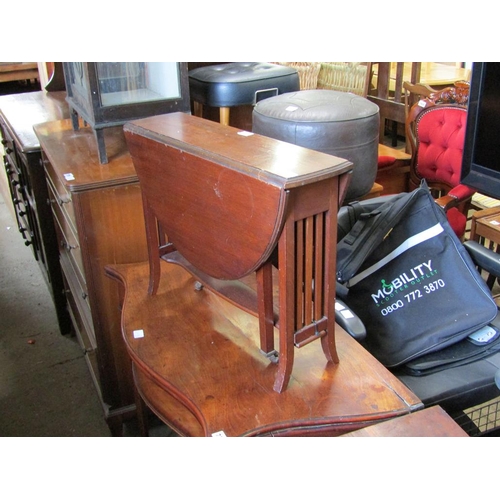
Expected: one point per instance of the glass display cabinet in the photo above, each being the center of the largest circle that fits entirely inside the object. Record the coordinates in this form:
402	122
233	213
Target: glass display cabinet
108	94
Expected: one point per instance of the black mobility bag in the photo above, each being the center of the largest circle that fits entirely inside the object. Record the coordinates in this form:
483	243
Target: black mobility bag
410	280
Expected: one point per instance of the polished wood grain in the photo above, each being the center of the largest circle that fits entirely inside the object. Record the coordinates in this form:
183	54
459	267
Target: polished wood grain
227	201
198	368
430	422
22	111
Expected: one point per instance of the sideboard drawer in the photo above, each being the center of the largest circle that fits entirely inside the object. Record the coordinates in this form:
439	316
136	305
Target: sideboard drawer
60	197
68	242
79	302
81	317
67	253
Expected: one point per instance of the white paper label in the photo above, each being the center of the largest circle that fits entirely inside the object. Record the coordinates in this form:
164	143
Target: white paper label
138	334
219	434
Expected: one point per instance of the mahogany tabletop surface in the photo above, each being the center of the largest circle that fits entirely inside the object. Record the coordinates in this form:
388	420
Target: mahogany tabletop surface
22	111
198	367
430	422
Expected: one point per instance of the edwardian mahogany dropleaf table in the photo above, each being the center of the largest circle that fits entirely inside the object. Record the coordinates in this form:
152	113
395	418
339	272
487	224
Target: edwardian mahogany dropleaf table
233	204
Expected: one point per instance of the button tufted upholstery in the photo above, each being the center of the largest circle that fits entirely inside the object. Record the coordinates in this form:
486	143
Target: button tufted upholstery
234	84
440	144
437	135
228	85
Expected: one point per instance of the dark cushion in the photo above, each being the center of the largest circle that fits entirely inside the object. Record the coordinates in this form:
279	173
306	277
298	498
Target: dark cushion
457	388
236	84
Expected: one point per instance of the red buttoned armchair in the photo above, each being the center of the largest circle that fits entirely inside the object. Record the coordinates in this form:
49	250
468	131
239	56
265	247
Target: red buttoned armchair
436	134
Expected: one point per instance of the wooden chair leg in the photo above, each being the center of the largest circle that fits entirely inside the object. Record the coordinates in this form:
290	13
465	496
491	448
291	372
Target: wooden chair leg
198	109
224	116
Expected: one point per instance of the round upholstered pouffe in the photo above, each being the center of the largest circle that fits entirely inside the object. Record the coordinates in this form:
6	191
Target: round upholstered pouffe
338	123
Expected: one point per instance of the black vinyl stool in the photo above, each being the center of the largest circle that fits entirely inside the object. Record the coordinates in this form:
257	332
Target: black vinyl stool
239	83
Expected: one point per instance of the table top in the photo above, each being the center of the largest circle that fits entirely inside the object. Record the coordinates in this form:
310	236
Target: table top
434	74
281	163
220	192
486	223
21	111
198	366
430	422
489	216
437	74
78	160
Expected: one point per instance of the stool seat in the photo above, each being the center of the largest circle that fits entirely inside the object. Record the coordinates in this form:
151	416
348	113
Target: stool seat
337	123
236	84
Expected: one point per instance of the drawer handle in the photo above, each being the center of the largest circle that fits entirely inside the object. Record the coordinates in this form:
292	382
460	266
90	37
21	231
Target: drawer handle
67	246
62	201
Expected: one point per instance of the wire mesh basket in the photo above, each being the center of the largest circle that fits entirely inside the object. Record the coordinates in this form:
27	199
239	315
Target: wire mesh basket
481	420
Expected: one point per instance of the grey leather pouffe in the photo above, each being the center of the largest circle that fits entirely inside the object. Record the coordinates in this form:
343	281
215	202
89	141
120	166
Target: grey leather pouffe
337	123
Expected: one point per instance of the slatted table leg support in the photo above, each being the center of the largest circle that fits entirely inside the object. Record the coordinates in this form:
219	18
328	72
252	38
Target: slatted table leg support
307	276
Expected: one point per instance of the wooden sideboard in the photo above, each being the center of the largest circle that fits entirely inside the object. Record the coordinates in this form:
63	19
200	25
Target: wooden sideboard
26	183
99	220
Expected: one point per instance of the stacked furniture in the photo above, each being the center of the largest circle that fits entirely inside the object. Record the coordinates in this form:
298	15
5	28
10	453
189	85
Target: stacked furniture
253	221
